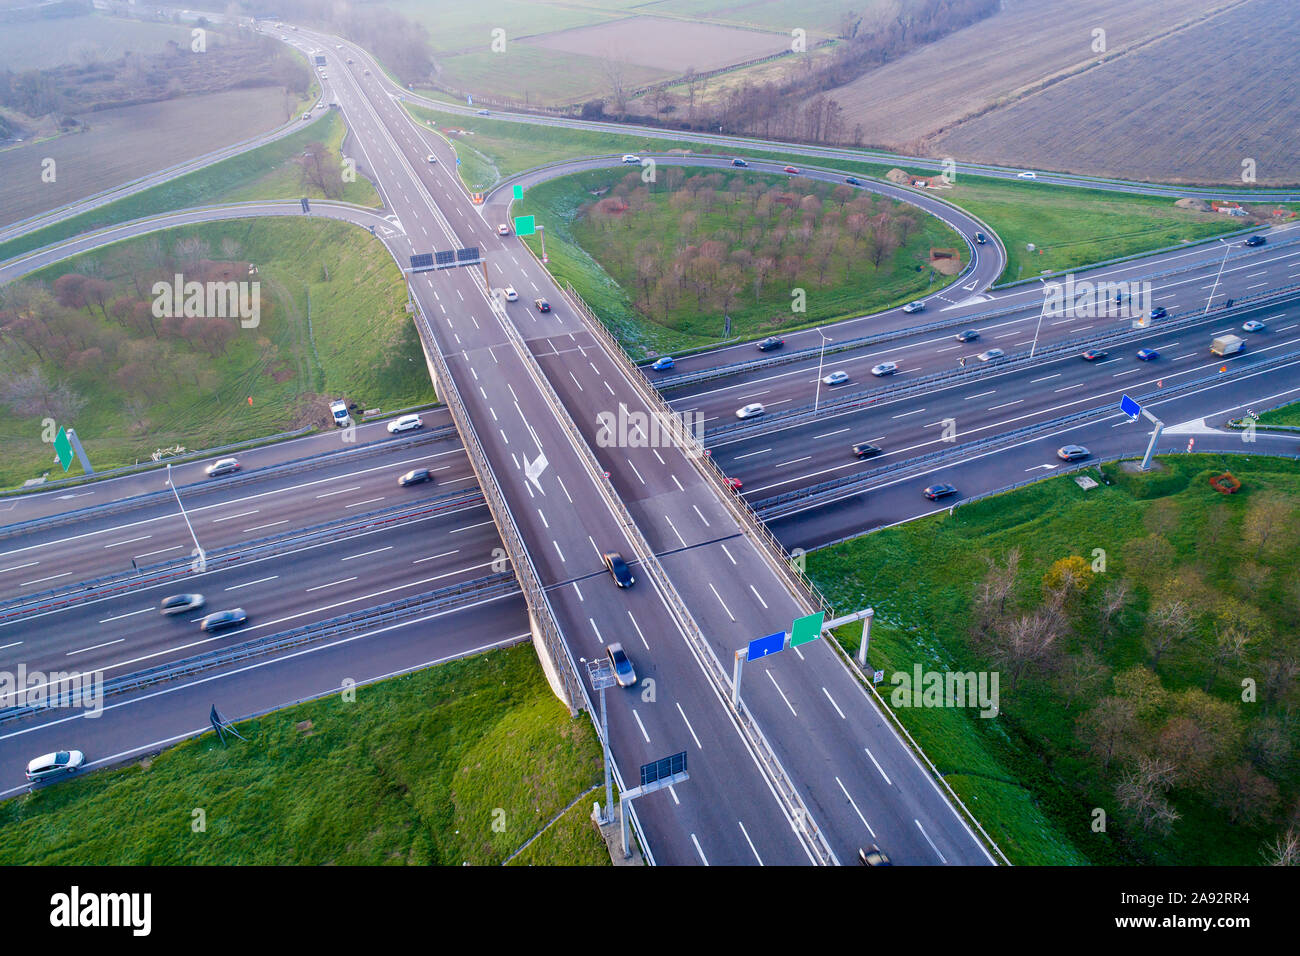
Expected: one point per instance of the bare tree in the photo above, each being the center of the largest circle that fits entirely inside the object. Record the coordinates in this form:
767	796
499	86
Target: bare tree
1141	792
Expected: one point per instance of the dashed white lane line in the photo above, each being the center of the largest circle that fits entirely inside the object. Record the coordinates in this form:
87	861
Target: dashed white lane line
249	584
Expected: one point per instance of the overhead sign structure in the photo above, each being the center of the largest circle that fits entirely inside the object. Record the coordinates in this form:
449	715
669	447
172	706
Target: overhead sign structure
662	769
806	629
761	647
525	225
1130	408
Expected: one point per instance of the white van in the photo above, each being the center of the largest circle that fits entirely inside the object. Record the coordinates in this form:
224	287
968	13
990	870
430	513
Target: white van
339	410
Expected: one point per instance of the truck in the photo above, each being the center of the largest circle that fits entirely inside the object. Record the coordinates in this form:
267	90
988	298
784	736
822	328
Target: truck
339	410
1227	345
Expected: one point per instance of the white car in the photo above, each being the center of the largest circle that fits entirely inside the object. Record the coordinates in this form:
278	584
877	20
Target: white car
511	294
431	158
1026	175
836	378
405	424
1254	325
752	410
885	368
503	230
631	158
990	354
55	764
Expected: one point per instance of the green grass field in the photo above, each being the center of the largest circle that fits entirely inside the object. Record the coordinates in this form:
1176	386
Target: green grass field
1028	774
602	261
361	343
266	172
460	763
1286	415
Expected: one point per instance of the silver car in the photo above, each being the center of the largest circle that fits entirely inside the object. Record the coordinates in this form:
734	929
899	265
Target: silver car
180	603
55	764
222	466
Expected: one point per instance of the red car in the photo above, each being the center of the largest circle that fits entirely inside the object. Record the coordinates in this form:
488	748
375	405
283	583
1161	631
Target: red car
735	484
791	169
542	305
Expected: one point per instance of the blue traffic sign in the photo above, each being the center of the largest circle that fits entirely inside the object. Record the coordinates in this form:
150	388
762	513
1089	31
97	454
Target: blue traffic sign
1129	407
762	646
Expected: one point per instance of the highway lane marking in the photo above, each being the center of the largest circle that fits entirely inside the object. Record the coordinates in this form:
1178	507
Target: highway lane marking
1045	378
760	600
95	647
558	551
942	858
980	395
1068	387
703	859
127	614
150	554
596	629
1128	372
701	516
5	647
793	461
720	601
854	805
634	469
564	489
467	528
249	584
19	567
641	725
1181	357
727	553
50	578
677	483
689	728
678	533
434	557
994	408
832	700
915	411
543	517
244	514
638	630
779	690
578	591
764	451
879	768
263	527
840	431
129	541
365	554
331	584
752	849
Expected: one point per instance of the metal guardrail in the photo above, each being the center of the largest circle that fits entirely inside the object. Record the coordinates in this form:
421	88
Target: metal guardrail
366	619
777	506
293	466
866	341
1017	361
123	581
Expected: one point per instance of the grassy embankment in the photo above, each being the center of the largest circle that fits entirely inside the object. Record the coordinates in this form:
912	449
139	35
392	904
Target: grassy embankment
1142	685
458	763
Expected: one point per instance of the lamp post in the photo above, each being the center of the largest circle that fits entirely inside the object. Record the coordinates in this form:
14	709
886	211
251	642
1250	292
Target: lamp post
198	549
820	358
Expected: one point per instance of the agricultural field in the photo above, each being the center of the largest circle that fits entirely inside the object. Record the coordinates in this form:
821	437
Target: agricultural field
1144	634
90	352
415	771
772	252
41	44
667	45
962	75
123	144
1174	123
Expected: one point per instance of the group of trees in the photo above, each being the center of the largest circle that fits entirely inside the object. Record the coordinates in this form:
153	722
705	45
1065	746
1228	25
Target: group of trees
86	332
1181	687
739	243
398	42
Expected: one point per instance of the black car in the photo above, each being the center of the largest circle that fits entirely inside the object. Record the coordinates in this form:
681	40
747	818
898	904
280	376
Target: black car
873	856
970	335
866	450
618	569
1159	312
935	492
853	180
1093	355
769	343
222	619
981	238
1256	241
414	477
542	305
739	162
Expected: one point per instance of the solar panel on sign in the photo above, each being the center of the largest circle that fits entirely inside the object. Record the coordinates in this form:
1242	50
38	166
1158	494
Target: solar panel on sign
468	254
444	258
421	260
664	768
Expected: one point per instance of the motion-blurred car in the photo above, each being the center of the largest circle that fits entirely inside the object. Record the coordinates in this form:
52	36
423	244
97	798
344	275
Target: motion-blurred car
482	112
739	162
735	484
990	354
542	305
1254	325
222	466
405	424
624	673
54	765
935	492
1148	355
791	169
1093	355
1159	312
884	368
415	476
769	343
503	229
510	294
873	856
663	364
223	619
917	306
631	158
1026	175
752	410
865	449
1072	452
180	603
969	335
981	238
618	569
836	378
431	158
1255	241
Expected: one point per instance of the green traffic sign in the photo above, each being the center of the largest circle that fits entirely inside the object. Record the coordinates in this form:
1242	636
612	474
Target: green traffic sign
806	629
63	448
519	192
525	225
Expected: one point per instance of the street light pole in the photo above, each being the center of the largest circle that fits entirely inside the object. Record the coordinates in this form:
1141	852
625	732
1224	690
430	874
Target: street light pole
1040	320
180	505
1226	249
820	358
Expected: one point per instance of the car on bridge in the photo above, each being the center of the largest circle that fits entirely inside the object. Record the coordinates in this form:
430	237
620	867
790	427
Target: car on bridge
769	343
917	306
542	305
54	765
1159	312
1254	325
735	484
836	378
1147	355
967	335
415	476
1072	452
663	364
884	368
631	159
618	569
935	492
990	354
752	410
1093	355
865	449
624	673
180	603
222	466
510	294
405	424
1255	241
223	619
